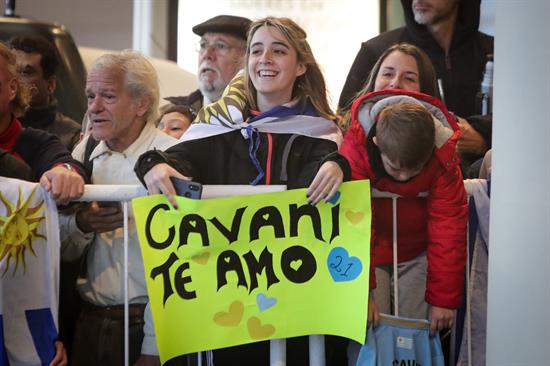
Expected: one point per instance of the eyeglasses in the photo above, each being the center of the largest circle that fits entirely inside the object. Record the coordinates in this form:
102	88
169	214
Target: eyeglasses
219	47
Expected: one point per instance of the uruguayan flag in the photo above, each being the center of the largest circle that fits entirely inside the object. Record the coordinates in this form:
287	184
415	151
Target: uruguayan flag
29	274
228	114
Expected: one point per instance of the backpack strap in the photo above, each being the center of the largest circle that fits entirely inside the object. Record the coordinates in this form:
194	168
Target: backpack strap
89	167
89	164
286	153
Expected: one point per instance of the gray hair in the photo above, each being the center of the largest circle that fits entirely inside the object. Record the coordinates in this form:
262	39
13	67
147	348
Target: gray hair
139	77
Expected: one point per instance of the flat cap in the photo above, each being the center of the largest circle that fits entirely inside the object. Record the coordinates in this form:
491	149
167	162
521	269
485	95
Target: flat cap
237	26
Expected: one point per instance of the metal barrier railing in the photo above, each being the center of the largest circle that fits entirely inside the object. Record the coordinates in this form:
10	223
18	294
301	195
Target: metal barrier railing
124	193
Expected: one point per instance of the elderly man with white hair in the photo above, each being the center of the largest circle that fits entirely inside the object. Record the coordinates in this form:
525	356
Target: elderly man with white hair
123	95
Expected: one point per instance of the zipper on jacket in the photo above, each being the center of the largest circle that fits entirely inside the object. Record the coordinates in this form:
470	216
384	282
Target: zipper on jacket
448	61
268	162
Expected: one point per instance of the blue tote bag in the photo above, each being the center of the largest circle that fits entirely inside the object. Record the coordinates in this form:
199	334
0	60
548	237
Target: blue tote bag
401	342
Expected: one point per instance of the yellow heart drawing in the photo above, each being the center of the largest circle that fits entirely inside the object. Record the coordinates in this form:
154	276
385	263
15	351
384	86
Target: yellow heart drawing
354	217
201	258
233	317
257	330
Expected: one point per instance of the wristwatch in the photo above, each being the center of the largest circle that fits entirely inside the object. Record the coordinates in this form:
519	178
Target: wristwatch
68	166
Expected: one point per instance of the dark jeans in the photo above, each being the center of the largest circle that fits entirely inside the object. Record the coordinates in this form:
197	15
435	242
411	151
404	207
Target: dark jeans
70	303
99	335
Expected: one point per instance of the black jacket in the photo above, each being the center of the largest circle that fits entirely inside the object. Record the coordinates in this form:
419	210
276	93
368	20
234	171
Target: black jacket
224	159
12	167
42	151
461	70
49	119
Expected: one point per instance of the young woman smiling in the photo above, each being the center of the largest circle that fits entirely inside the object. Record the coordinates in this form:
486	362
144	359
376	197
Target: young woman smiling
284	133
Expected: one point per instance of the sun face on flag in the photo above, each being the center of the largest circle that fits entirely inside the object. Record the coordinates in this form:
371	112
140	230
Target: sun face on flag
18	228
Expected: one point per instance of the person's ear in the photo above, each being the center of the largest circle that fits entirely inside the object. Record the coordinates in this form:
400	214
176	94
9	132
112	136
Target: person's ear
375	140
301	69
51	84
142	105
12	89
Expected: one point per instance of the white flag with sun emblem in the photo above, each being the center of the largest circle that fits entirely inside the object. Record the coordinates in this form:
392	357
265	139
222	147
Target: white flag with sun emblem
29	274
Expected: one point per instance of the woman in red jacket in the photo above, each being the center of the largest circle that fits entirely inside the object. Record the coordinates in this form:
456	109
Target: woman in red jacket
431	231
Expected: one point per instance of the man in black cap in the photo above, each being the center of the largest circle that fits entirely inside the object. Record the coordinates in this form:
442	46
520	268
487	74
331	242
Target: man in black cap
221	54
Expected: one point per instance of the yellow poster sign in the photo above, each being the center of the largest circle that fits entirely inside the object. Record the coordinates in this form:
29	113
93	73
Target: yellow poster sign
228	271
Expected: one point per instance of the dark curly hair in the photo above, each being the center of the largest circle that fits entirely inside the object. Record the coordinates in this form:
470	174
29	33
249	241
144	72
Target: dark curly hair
40	45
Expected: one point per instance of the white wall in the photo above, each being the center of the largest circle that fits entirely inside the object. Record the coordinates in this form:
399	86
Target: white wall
150	27
92	23
519	253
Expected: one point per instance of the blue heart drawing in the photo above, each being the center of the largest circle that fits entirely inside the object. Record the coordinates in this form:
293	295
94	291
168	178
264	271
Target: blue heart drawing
342	267
335	198
265	302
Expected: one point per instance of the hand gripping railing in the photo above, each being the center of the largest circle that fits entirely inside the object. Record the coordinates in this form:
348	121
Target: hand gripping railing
125	193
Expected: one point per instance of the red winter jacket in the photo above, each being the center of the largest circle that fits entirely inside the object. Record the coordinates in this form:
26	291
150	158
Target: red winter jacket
436	223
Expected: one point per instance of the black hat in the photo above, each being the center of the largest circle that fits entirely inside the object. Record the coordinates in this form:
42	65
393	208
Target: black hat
237	26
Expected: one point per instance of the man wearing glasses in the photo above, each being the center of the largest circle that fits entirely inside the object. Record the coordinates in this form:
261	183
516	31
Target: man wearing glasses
221	51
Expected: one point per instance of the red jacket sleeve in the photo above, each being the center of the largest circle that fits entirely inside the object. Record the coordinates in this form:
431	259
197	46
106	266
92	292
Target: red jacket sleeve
356	154
447	222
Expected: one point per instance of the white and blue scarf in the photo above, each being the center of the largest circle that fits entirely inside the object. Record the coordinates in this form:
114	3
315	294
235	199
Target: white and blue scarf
227	115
